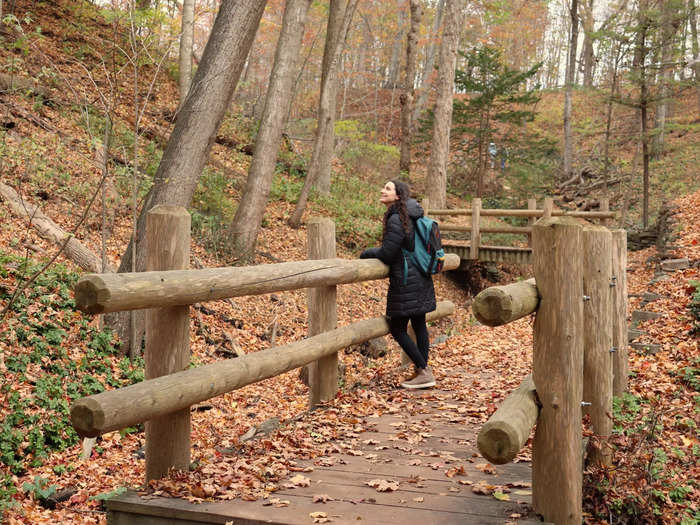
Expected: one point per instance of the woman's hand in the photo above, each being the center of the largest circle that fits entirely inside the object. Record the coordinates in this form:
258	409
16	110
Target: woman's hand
369	253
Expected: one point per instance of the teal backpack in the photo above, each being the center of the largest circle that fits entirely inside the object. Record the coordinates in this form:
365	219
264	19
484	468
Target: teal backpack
427	256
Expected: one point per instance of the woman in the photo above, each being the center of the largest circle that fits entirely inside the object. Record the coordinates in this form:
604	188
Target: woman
411	294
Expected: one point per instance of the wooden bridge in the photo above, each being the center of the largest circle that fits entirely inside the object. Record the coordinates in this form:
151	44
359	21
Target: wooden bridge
412	450
581	355
473	249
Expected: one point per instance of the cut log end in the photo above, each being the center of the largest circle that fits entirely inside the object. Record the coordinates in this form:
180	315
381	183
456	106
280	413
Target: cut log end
91	294
498	442
87	417
492	307
499	305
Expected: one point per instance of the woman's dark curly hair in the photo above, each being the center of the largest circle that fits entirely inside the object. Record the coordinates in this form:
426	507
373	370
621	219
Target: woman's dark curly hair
403	192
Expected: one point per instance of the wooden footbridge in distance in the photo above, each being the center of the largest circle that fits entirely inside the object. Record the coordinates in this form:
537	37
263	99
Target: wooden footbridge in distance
474	250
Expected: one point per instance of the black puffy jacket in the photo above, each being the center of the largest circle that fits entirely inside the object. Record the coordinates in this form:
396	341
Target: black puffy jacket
415	295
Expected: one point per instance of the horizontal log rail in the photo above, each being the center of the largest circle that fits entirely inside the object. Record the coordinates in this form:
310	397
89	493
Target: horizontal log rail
446	226
496	212
505	433
101	293
498	305
115	409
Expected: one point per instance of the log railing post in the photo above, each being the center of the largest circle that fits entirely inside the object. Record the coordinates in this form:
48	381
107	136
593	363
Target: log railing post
476	235
167	340
597	336
425	203
605	206
558	370
548	206
323	374
531	205
619	328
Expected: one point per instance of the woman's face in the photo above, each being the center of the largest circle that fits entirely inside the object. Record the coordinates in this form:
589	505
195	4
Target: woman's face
388	196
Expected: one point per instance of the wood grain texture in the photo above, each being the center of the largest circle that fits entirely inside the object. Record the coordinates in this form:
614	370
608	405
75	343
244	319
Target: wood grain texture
621	365
498	305
475	235
115	409
558	370
507	430
167	340
597	336
99	293
323	374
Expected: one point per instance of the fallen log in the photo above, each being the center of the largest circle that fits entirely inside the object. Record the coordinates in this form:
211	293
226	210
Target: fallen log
507	430
99	293
115	409
49	230
498	305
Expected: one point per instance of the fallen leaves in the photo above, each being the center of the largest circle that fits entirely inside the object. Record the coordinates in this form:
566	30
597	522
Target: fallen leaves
455	471
320	517
276	502
486	468
300	481
383	485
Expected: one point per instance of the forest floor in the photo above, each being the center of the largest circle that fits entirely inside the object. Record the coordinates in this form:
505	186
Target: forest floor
657	447
50	354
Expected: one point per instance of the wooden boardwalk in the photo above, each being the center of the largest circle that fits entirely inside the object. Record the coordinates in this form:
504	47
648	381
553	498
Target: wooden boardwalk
430	454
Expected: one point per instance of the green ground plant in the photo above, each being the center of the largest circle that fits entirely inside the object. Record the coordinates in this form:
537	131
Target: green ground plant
43	373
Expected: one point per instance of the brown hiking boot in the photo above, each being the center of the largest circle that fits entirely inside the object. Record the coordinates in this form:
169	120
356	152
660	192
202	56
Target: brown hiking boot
424	379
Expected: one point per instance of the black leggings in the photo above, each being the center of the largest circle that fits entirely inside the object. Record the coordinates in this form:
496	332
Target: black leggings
418	353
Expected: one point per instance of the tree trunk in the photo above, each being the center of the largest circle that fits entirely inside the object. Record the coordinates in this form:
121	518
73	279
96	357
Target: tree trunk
669	26
437	187
198	120
588	39
640	56
570	72
427	75
395	63
617	56
251	208
557	370
409	88
319	174
186	43
74	250
97	294
499	305
695	45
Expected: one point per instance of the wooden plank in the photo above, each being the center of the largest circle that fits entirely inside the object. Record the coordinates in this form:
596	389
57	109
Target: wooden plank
399	467
440	500
497	212
448	227
347	510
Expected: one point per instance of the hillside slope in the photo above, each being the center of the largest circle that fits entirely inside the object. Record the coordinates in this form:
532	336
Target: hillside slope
51	138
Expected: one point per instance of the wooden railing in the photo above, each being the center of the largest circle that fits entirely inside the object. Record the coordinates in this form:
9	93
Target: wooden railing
579	359
476	229
164	399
